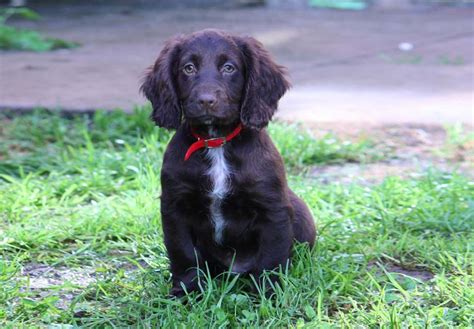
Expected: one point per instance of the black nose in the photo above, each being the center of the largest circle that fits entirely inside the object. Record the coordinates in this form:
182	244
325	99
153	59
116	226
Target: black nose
207	100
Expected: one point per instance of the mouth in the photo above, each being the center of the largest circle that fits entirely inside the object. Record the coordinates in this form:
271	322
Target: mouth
219	117
208	121
203	120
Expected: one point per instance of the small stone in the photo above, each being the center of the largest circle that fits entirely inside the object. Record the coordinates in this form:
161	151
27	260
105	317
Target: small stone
405	46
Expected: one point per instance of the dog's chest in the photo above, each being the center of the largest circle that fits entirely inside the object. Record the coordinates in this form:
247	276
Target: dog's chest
219	175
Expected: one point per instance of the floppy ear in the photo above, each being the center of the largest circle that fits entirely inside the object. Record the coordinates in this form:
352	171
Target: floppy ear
265	84
159	87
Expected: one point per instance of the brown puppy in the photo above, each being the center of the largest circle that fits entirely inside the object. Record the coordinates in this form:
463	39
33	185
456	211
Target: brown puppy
230	204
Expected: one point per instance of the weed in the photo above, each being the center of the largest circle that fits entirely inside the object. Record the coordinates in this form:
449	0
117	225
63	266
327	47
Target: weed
12	38
459	144
451	60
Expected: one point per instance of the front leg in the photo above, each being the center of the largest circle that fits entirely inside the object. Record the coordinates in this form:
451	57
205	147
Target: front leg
275	242
184	259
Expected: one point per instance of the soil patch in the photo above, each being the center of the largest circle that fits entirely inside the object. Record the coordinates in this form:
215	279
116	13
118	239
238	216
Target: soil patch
419	274
409	150
44	276
66	281
414	272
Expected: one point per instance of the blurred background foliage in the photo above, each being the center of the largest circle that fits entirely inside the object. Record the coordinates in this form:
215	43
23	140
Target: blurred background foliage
12	38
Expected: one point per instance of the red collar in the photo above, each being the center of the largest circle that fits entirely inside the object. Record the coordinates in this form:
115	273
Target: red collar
210	143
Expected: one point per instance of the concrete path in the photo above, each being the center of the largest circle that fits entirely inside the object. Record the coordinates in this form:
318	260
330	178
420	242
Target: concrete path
345	66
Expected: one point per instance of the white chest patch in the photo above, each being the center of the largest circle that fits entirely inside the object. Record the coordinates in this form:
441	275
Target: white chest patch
219	173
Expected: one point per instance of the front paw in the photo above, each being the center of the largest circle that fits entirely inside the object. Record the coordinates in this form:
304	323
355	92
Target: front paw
177	292
182	288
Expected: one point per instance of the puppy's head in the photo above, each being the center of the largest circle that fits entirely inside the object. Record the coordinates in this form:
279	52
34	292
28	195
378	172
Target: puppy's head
213	78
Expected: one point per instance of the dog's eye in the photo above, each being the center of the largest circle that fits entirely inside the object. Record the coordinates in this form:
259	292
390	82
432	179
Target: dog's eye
228	68
189	69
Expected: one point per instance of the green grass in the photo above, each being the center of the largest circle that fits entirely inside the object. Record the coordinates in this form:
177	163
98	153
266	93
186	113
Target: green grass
81	195
299	148
12	38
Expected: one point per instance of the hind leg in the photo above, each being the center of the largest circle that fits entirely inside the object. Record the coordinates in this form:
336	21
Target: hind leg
303	227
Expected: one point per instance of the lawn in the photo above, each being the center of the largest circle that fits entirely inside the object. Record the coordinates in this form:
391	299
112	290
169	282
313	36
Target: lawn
81	242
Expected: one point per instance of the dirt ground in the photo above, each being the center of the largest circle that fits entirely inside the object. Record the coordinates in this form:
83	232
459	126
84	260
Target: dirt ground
345	66
409	150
